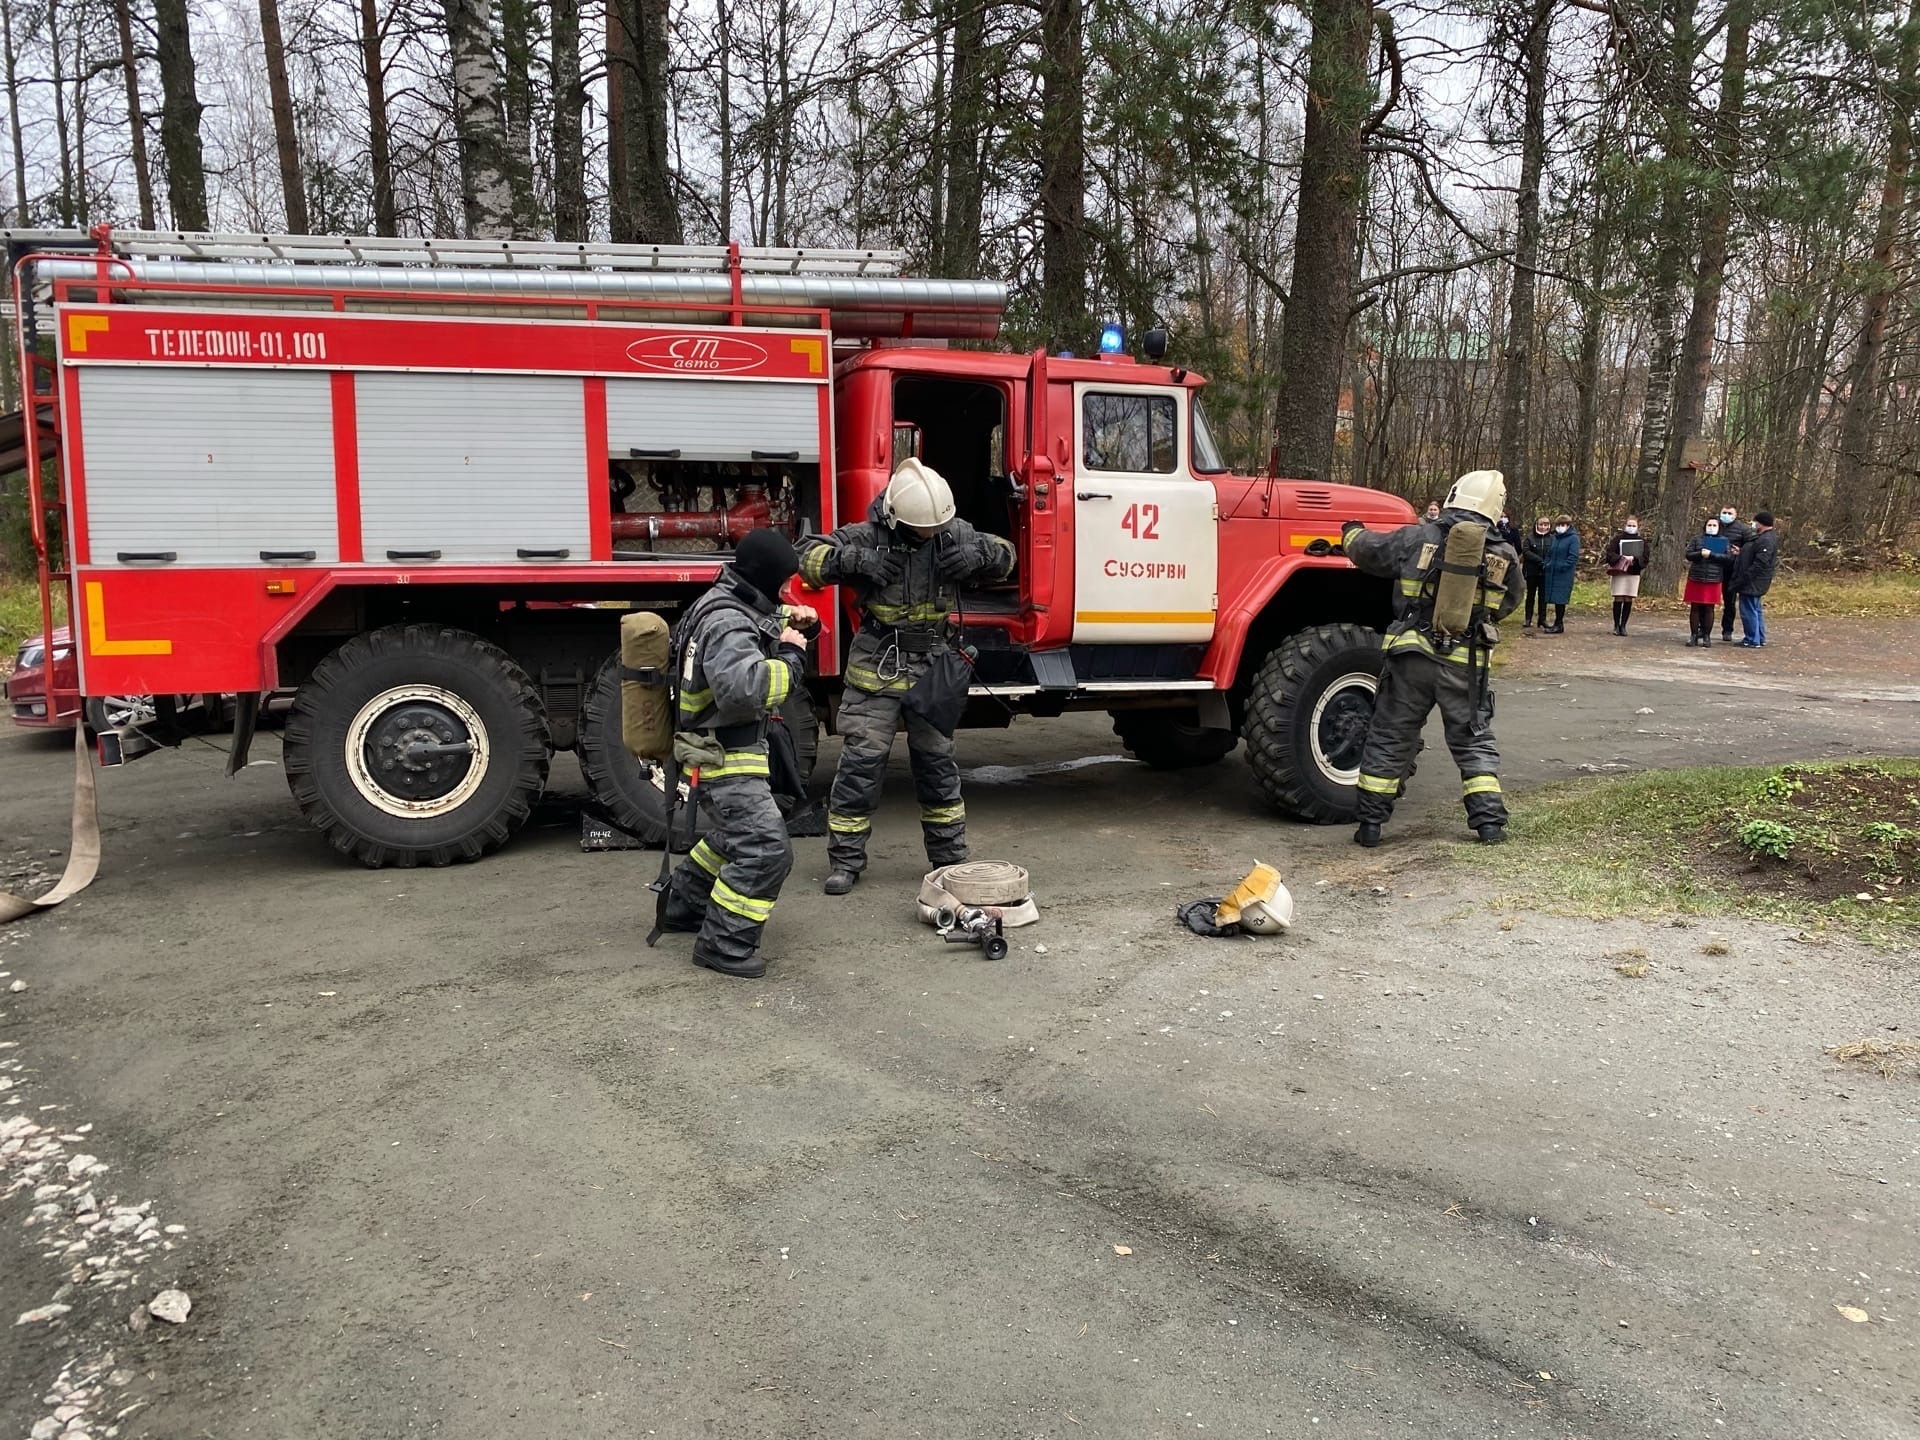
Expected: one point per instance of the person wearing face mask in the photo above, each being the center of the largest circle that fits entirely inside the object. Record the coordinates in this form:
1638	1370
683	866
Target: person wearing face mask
1508	533
1557	564
1533	562
1736	532
1433	511
1623	571
1708	565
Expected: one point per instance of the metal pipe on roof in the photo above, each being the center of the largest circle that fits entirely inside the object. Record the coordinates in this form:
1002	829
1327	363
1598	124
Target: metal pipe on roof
862	307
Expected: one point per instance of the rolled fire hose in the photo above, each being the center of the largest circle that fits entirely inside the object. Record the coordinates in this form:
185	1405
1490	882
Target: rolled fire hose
1001	889
83	851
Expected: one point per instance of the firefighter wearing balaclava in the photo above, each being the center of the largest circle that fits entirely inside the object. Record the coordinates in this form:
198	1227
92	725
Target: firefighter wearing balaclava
905	564
1453	579
737	659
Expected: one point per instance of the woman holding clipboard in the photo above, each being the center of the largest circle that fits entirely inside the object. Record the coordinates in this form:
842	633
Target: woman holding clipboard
1626	558
1708	563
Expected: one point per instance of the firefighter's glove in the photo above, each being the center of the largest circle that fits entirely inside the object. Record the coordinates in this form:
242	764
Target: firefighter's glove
961	561
1347	527
882	567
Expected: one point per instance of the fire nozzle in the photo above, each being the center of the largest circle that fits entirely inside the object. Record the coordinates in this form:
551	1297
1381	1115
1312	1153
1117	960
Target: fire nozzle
969	925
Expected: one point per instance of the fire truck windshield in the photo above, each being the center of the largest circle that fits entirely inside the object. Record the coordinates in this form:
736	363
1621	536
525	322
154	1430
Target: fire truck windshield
1206	455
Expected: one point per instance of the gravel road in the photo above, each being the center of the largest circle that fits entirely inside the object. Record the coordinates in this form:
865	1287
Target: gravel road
454	1154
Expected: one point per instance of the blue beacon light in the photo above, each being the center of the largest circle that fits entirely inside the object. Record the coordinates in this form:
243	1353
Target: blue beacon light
1112	338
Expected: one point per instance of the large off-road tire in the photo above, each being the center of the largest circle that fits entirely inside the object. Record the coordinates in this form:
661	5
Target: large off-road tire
1172	739
1307	717
351	736
633	795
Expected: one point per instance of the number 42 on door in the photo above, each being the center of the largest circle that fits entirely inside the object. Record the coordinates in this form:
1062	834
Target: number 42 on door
1142	522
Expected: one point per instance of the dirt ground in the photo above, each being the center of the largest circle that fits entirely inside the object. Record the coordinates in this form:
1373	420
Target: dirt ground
455	1154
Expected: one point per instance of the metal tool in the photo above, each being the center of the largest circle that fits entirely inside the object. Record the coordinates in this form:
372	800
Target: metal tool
969	925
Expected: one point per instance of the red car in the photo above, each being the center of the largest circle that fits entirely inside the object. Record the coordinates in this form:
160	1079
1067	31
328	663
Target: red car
26	691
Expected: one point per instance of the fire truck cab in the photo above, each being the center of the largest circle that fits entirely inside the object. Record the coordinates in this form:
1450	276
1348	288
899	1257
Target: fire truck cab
415	482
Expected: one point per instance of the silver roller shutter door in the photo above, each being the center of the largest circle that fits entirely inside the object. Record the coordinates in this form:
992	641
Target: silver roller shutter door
214	465
713	419
477	467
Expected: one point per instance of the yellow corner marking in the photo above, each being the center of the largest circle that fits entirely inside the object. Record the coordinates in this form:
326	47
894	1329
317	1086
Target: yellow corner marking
1143	617
79	327
97	641
815	351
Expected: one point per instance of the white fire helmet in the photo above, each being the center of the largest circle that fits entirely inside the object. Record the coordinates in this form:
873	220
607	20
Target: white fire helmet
1259	904
1484	492
918	496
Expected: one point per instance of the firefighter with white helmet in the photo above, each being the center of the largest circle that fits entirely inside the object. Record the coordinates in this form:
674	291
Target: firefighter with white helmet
905	563
1454	580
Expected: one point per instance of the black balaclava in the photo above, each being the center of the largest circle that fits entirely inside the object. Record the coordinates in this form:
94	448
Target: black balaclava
765	560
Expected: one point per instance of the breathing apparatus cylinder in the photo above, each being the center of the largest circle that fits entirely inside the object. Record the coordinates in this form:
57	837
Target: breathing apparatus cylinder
1459	586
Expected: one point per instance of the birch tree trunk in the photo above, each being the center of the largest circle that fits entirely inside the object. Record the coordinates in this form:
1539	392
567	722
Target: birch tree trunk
136	114
487	190
286	139
180	116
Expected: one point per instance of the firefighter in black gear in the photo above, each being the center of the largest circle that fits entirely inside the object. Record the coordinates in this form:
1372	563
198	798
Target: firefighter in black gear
737	660
1427	665
906	563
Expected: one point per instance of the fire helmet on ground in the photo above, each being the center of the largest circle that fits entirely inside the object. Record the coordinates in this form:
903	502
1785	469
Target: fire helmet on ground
918	495
1484	492
1259	904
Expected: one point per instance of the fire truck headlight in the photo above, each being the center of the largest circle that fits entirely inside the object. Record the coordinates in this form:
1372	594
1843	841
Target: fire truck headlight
1112	338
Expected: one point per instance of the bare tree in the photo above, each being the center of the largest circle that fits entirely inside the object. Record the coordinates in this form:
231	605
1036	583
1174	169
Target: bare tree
641	196
136	112
1516	379
14	128
180	110
1332	161
386	219
1064	319
569	100
286	139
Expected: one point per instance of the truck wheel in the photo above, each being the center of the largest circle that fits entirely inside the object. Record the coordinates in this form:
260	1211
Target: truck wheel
634	794
1171	739
354	741
1307	718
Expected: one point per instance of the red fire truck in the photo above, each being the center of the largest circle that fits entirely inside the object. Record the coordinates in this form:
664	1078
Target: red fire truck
413	483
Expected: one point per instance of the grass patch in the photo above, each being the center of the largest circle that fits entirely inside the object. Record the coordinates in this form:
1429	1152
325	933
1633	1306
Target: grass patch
20	613
1870	595
1834	843
1890	1057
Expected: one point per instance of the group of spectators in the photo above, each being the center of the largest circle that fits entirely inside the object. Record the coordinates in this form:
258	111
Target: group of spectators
1730	568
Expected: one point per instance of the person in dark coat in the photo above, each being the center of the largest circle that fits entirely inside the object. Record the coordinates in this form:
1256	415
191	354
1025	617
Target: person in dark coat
1557	561
1533	563
1508	534
1707	569
1623	571
1736	532
1753	571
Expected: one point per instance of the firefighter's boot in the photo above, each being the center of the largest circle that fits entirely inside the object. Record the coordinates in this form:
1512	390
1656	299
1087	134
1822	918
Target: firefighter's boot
841	881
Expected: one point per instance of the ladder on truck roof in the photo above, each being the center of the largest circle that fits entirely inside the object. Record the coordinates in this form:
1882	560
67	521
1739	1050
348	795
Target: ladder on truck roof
861	292
525	254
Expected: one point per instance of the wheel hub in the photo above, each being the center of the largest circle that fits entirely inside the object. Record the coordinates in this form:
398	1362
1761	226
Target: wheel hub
1340	723
416	750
